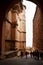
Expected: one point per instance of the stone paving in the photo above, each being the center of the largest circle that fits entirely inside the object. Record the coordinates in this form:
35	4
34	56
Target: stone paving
21	61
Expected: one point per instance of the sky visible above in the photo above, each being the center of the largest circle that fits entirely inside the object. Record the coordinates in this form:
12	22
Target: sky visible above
30	11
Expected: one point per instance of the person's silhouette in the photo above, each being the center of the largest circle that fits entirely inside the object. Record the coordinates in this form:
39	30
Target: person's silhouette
26	54
21	54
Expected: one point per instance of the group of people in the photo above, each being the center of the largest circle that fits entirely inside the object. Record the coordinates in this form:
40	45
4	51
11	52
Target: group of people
36	54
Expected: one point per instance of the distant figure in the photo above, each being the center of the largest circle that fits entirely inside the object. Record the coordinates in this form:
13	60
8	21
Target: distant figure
21	54
26	53
31	54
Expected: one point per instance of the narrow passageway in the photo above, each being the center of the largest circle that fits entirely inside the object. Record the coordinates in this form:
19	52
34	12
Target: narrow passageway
30	13
22	34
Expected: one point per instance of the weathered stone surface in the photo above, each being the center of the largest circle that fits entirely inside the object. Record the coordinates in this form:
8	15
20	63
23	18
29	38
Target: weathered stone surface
38	29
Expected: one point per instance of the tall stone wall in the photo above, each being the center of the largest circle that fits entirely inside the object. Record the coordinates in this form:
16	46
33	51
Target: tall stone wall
20	35
38	29
14	30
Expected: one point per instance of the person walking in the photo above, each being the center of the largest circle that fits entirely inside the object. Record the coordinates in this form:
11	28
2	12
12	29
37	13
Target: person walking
26	54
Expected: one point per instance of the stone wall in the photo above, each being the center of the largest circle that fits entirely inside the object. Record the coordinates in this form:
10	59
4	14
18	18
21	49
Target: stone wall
38	29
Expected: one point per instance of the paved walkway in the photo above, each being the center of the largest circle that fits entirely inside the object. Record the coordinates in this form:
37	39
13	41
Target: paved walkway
21	61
